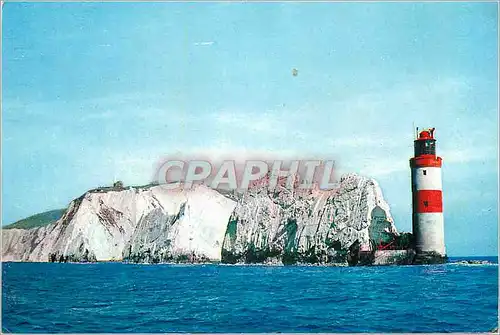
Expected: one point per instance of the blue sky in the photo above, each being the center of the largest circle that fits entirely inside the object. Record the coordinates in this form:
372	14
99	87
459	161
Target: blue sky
97	91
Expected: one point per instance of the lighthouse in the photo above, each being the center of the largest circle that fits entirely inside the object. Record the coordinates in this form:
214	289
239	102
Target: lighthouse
427	192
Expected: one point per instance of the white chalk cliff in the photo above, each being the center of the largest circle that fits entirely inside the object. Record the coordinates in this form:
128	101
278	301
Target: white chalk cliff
151	224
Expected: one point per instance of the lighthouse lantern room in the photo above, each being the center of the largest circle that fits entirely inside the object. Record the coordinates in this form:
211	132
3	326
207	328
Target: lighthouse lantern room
427	191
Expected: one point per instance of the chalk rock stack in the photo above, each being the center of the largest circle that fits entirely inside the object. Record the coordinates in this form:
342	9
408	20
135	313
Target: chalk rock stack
153	225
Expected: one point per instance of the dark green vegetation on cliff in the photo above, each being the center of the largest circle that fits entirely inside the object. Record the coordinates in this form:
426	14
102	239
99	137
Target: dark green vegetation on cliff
37	220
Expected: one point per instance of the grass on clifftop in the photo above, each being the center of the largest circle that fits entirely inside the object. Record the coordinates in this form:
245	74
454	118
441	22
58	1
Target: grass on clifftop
37	220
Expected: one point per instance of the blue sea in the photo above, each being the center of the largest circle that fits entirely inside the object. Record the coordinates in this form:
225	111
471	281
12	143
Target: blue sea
115	297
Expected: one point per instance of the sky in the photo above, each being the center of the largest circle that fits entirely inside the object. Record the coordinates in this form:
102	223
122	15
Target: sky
94	92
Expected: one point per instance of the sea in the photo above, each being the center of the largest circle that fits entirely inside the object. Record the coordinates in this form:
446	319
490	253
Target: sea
140	298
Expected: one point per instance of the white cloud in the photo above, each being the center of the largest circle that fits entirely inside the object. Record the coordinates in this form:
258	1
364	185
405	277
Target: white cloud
469	154
367	133
208	43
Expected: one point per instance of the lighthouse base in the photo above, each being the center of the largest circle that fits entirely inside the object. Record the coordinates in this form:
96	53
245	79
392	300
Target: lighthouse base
429	257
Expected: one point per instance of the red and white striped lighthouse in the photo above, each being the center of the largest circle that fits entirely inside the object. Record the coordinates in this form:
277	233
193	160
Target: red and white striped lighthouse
427	189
